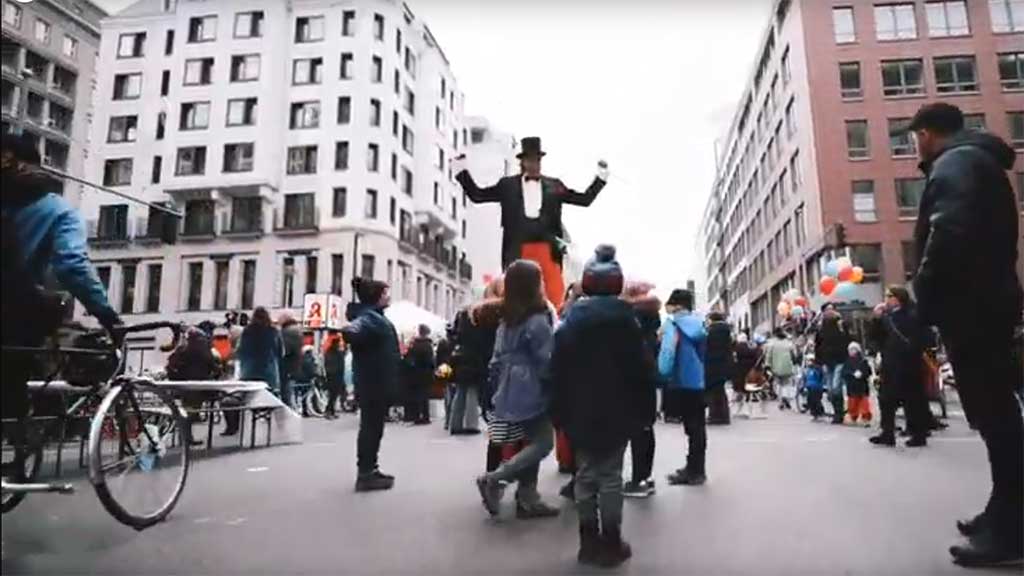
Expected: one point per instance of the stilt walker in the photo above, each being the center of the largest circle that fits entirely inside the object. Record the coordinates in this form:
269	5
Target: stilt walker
531	222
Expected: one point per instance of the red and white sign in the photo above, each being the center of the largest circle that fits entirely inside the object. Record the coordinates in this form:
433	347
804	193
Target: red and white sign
314	311
335	312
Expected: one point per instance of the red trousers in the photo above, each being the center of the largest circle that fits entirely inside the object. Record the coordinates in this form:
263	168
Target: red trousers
859	406
554	284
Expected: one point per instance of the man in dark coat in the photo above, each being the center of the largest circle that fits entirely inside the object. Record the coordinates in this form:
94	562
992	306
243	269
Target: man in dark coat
830	345
419	360
967	285
602	393
375	365
719	367
531	212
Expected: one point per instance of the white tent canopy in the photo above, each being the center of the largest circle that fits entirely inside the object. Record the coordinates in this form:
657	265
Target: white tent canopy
407	317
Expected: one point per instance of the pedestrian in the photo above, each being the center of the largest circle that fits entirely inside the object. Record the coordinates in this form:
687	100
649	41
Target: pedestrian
375	366
485	317
830	350
966	236
291	364
260	352
419	360
472	346
522	352
334	371
648	312
746	369
719	368
780	356
602	394
193	360
899	334
856	376
681	361
814	384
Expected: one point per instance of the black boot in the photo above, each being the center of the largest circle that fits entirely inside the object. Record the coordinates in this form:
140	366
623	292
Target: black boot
985	549
371	481
883	439
972	527
614	550
590	544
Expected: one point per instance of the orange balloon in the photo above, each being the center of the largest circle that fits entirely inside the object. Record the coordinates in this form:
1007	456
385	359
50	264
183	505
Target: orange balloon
783	309
846	274
858	275
827	285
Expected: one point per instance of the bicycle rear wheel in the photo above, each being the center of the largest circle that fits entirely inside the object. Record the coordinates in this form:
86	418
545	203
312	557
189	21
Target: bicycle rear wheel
138	454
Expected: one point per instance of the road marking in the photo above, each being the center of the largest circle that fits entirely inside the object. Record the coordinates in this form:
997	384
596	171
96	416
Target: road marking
236	521
257	469
321	444
203	520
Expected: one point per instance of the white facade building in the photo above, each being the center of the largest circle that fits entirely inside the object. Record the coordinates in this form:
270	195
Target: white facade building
491	155
49	60
304	141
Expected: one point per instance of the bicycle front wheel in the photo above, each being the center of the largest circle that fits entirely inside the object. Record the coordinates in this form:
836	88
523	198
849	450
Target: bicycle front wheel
138	454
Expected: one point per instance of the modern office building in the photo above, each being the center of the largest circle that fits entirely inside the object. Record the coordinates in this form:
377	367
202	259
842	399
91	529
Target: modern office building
49	53
815	163
305	142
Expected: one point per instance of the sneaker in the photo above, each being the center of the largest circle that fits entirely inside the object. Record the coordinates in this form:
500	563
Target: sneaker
917	442
686	478
380	474
538	510
636	490
984	551
973	526
490	494
374	481
883	439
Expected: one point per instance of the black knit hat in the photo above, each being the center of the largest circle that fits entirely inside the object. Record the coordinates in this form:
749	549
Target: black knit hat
682	298
602	275
368	291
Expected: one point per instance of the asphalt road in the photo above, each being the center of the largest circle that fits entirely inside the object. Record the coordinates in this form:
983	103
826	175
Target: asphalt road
785	496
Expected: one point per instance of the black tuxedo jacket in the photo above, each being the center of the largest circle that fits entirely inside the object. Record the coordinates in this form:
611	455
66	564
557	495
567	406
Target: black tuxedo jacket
509	193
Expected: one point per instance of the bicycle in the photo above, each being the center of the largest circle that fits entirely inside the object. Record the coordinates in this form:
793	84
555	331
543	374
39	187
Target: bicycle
138	436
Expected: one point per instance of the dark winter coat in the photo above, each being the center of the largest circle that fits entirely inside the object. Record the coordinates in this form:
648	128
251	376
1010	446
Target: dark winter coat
966	237
719	360
474	345
375	355
900	337
747	356
292	363
194	360
334	366
857	385
602	380
259	354
419	368
831	341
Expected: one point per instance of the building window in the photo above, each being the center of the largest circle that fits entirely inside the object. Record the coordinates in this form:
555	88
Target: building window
974	121
406	181
117	172
220	284
194	116
396	83
249	24
1007	15
858	144
869	257
123	129
902	78
127	86
346	65
312	267
394	167
199	216
154	276
901	142
1011	70
408	140
787	72
300	211
908	195
378	27
843	26
161	125
371	204
195	286
864	201
309	29
247	214
202	29
103	272
169	43
191	161
341	155
198	72
242	112
849	81
337	273
947	18
42	31
376	70
344	110
791	118
795	177
302	160
158	166
248	284
348	23
373	158
340	205
394	123
895	22
165	82
70	47
909	253
369	263
409	102
287	282
374	113
113	222
1020	189
307	71
238	157
955	74
305	115
393	211
245	68
131	45
1016	123
12	15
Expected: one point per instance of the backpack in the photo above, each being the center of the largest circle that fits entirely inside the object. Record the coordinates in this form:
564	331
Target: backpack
30	312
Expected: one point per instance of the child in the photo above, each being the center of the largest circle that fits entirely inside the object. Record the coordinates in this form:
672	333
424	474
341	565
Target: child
856	372
814	382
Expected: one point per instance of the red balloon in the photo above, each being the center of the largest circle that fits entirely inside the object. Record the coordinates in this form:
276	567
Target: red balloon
827	285
802	302
846	273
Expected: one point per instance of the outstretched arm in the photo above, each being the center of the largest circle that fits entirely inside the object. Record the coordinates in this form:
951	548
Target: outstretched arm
476	194
570	196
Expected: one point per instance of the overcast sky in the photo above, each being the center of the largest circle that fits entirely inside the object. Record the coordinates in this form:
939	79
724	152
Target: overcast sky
647	85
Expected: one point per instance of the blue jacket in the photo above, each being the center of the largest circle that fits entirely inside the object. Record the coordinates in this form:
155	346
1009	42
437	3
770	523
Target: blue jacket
52	238
682	364
813	378
519	367
375	356
259	353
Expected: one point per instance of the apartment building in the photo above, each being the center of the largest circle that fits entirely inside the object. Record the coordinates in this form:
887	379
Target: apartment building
305	142
815	163
48	65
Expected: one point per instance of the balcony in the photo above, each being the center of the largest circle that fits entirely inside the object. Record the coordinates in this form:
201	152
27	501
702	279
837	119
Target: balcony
240	228
465	271
108	236
409	240
297	223
198	230
435	224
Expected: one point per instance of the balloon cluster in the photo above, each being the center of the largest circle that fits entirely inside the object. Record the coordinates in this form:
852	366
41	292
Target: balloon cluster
841	278
793	305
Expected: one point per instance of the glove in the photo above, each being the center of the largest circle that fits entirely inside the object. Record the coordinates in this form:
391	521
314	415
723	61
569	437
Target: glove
459	164
602	171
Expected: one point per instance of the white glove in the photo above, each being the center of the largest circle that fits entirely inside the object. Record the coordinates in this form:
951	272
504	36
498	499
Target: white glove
602	171
459	164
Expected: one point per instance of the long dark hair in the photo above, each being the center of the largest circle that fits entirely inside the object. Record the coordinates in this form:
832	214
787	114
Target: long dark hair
524	296
902	295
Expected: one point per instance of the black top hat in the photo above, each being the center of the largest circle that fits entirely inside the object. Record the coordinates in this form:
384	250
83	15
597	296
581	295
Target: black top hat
530	146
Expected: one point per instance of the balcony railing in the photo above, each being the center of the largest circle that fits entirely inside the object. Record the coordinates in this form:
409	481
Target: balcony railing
198	229
241	227
304	224
106	238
